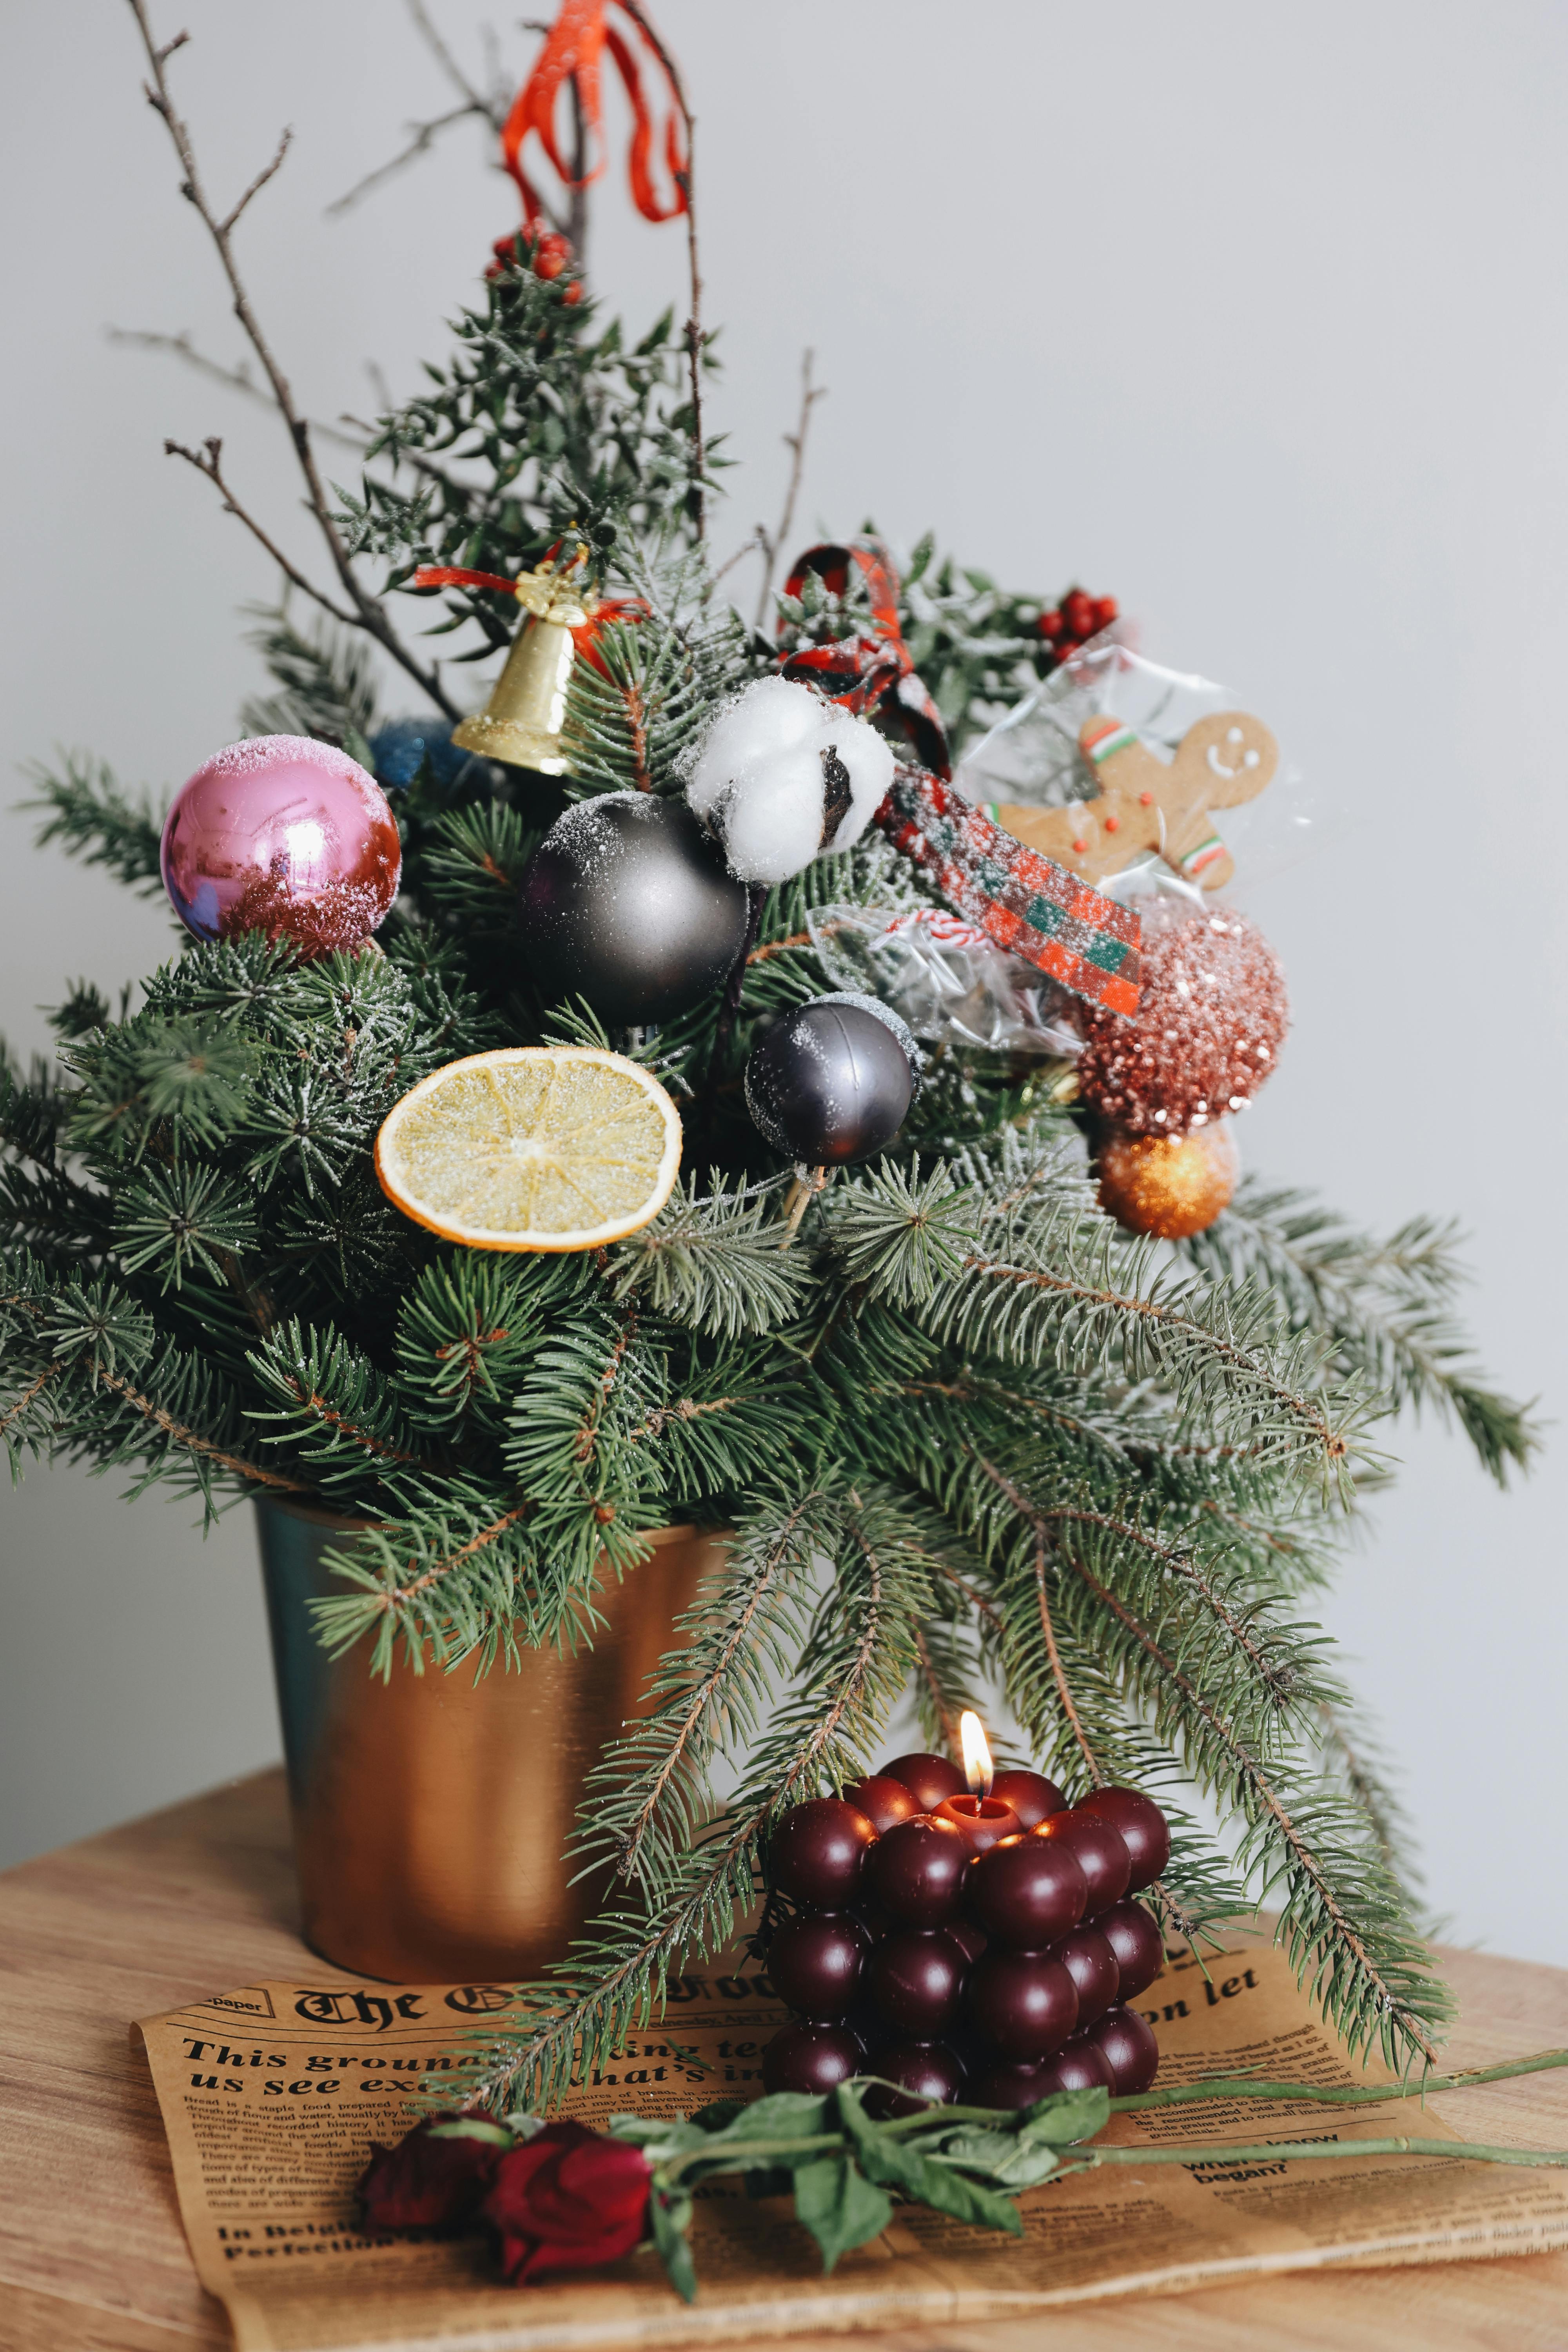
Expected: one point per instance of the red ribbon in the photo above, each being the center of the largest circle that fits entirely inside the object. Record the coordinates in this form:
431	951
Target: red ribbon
443	575
875	672
585	637
571	52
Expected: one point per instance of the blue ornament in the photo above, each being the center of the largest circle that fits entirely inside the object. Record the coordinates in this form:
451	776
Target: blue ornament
401	748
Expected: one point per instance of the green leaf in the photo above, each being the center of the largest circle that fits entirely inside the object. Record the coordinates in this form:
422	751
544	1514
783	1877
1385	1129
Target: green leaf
670	2212
784	2115
839	2205
894	2162
1006	2159
475	2127
1066	2116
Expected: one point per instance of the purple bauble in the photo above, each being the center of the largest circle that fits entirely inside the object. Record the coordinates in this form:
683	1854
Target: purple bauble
286	836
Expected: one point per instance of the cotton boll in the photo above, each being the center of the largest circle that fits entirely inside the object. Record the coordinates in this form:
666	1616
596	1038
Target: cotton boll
869	759
770	716
770	819
785	774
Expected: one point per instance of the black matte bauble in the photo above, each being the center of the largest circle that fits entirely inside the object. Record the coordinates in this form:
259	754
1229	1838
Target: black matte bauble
928	1778
1143	1827
1032	1797
916	1871
1139	1947
1126	2042
818	1852
807	2057
916	1980
814	1962
1024	2004
1090	1959
1100	1850
927	2069
1025	1892
628	902
830	1082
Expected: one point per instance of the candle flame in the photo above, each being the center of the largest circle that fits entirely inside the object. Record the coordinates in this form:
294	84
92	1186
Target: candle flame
978	1768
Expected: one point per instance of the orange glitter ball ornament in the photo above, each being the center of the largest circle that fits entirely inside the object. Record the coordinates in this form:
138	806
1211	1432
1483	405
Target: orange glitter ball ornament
1167	1184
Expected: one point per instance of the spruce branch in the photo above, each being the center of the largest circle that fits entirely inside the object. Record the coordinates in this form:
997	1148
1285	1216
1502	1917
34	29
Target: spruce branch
1385	1309
853	1663
94	819
1371	1976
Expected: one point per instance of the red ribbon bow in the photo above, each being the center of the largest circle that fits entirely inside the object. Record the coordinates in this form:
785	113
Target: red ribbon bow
1029	905
571	52
869	673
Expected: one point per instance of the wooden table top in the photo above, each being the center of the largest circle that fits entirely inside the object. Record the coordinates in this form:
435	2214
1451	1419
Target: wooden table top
201	1898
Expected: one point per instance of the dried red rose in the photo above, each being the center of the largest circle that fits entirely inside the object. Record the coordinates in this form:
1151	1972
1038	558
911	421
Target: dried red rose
567	2198
435	2178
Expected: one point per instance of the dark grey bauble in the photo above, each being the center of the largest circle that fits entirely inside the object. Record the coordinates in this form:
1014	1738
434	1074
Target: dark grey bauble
628	902
833	1080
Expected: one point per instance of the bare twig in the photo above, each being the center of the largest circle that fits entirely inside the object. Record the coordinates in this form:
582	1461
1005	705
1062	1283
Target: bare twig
423	137
232	221
236	379
474	100
795	443
366	613
207	460
684	181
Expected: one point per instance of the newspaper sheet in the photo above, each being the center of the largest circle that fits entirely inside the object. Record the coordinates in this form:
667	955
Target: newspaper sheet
272	2095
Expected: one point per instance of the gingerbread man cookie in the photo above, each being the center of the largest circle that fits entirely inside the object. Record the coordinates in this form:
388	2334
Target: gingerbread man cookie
1146	803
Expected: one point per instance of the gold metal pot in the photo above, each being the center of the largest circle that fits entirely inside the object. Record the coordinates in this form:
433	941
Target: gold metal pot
431	1811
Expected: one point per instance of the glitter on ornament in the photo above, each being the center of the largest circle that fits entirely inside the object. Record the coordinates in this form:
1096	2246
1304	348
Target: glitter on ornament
1208	1032
784	776
1166	1185
283	836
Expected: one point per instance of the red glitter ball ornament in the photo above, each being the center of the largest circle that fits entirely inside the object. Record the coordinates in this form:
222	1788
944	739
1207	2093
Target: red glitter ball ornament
1209	1026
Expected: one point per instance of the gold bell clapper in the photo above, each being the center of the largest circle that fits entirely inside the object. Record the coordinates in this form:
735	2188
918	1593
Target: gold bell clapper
521	722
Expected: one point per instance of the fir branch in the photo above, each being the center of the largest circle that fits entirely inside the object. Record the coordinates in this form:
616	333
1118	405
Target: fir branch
650	1796
714	1265
94	819
1372	1978
853	1666
1383	1307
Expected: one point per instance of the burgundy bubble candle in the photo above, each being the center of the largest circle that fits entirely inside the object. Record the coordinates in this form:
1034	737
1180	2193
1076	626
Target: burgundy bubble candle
982	1820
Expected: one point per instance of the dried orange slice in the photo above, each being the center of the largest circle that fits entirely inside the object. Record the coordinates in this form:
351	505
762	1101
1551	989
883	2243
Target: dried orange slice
531	1147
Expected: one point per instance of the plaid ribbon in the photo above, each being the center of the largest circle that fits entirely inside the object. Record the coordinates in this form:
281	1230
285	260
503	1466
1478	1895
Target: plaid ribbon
1028	904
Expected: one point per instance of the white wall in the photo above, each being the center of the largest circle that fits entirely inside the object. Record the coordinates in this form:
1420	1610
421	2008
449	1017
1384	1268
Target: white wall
1252	315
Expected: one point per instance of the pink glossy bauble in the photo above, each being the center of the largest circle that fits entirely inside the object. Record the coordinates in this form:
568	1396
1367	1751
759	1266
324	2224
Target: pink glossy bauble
283	836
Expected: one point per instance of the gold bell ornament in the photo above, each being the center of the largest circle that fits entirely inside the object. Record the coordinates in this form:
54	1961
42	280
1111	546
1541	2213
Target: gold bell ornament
521	722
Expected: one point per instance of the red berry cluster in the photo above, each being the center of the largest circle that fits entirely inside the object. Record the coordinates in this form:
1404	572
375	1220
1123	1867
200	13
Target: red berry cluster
549	256
950	1943
1075	620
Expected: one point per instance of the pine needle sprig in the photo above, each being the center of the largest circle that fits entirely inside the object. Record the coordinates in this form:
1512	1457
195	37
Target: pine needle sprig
651	1795
1385	1308
93	818
856	1661
714	1262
